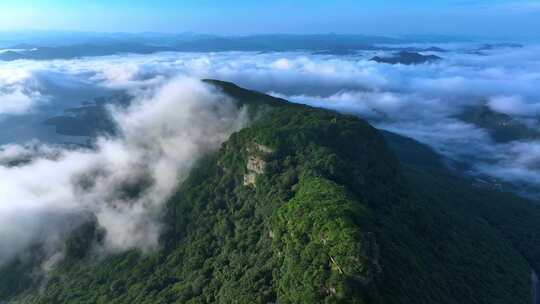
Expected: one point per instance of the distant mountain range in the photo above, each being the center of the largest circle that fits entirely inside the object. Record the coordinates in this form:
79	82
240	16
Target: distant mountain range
96	46
54	39
72	45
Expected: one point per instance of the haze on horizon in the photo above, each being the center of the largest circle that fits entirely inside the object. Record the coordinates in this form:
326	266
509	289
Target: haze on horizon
518	19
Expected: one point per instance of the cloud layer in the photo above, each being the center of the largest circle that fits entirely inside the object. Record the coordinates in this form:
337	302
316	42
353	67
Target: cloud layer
162	134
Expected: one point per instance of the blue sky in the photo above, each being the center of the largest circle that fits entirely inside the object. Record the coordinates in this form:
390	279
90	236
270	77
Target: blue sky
481	17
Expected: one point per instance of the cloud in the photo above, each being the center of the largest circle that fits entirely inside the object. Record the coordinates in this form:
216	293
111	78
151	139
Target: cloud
19	91
514	106
16	101
517	161
162	134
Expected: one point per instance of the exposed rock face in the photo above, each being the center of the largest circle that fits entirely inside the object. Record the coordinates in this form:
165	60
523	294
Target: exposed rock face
255	167
255	164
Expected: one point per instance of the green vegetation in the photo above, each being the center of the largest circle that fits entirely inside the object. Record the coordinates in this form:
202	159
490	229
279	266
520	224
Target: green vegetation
330	217
322	253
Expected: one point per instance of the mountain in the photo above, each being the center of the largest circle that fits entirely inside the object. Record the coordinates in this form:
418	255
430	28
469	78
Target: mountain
405	57
307	205
96	45
502	127
75	45
66	38
502	45
80	50
90	119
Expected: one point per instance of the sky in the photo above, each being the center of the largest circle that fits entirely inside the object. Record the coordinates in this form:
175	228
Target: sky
240	17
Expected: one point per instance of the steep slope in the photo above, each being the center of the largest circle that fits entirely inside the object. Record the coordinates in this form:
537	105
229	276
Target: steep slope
305	206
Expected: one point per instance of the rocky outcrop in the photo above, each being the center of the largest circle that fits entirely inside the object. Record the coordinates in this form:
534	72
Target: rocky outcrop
255	163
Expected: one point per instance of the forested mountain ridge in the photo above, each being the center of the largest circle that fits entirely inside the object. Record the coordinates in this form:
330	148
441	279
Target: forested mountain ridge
308	205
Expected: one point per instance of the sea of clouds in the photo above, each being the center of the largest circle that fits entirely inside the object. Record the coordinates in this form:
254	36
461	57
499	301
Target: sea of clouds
175	119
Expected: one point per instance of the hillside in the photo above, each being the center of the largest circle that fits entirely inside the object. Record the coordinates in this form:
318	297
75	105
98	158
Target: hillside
502	127
307	205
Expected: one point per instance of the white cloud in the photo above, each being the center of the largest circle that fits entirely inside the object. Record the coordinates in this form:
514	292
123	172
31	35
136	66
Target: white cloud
19	91
517	161
17	102
164	132
514	106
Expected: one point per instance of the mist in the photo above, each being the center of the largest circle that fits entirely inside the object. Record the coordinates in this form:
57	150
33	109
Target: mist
165	130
